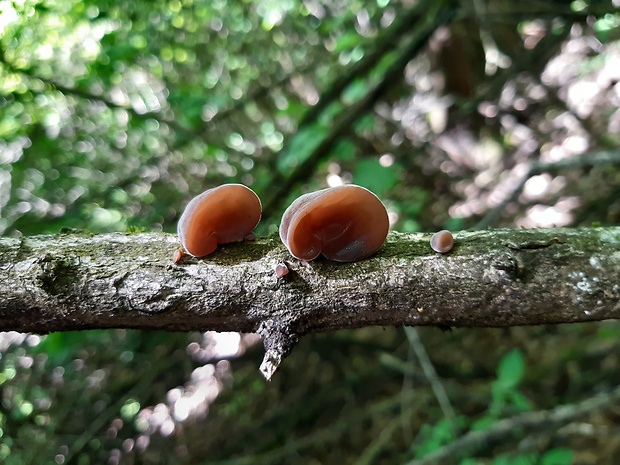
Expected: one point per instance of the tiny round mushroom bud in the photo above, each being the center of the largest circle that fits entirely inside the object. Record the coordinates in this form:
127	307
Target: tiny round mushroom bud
442	241
178	255
281	270
220	215
344	223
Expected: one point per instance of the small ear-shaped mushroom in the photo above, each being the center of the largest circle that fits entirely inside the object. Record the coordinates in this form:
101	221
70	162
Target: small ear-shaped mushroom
281	270
220	215
344	223
442	241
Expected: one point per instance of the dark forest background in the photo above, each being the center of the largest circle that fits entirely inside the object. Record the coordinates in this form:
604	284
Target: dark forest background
458	115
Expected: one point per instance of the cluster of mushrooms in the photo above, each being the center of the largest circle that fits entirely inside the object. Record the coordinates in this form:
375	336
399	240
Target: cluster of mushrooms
345	223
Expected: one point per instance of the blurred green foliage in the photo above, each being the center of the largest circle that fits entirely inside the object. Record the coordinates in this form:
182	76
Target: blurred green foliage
113	115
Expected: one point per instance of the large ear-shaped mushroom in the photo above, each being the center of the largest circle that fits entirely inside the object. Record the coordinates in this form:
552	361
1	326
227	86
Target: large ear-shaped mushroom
220	215
344	223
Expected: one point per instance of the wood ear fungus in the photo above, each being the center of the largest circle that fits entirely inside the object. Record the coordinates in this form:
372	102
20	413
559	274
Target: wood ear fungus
442	241
344	223
178	255
281	270
220	215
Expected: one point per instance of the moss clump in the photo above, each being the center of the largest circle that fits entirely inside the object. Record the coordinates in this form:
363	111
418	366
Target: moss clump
57	275
75	231
135	229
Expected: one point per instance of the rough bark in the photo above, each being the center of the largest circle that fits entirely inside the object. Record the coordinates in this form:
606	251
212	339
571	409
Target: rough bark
491	278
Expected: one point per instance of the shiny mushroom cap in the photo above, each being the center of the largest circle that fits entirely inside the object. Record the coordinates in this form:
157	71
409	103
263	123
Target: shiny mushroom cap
281	270
344	223
220	215
442	241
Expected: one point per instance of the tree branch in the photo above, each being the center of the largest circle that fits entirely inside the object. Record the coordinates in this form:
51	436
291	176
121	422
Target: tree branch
437	14
530	421
602	158
493	278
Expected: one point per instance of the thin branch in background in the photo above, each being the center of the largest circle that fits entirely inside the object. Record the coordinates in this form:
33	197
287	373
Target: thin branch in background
186	135
494	57
442	12
495	214
603	158
429	371
407	397
382	441
224	118
329	434
505	429
85	95
114	408
385	44
412	376
416	349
